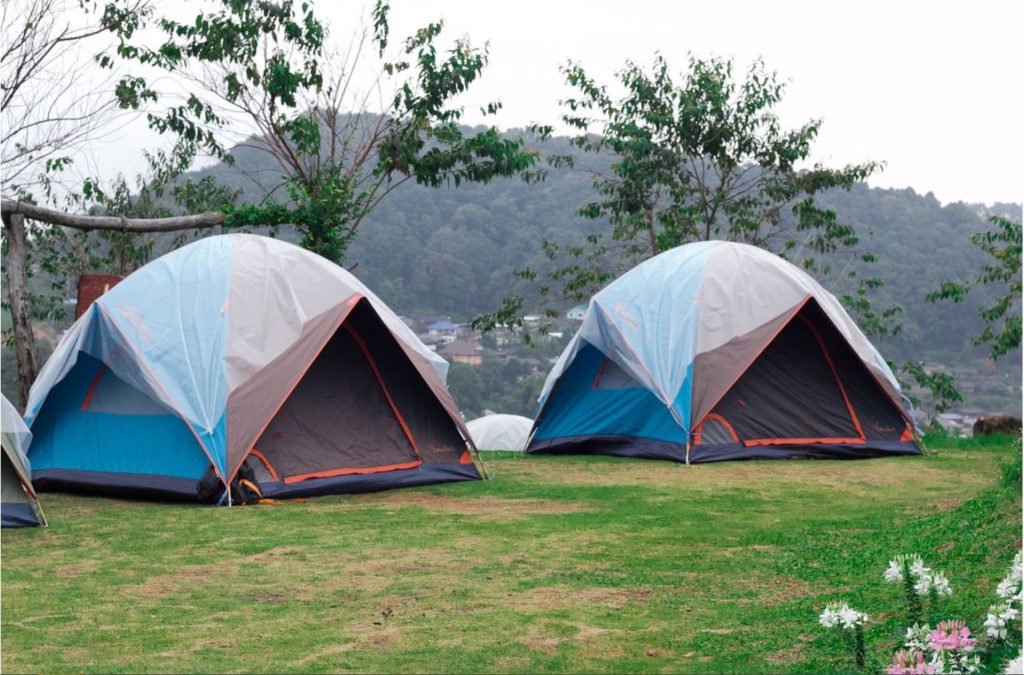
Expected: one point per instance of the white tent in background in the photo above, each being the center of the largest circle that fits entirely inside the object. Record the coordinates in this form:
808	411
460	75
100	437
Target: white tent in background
500	432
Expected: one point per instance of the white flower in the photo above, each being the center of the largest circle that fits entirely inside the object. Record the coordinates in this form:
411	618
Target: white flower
841	614
1010	588
917	567
917	637
968	664
896	565
894	573
998	617
955	663
924	582
850	617
941	584
1015	666
995	627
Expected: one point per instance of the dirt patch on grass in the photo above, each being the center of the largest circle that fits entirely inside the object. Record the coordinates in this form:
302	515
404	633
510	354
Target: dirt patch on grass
794	653
513	663
493	509
549	598
733	551
187	579
267	597
367	637
946	504
389	564
78	569
779	590
543	637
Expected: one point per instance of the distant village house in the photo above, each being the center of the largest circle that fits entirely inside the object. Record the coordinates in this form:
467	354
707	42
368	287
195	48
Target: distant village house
464	352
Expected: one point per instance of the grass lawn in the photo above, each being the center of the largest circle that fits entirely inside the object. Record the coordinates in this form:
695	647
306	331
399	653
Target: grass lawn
557	564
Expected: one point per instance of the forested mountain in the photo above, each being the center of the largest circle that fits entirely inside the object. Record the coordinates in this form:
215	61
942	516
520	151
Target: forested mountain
452	251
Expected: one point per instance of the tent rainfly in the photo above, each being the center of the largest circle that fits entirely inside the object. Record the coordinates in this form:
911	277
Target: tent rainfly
715	351
239	349
500	432
20	507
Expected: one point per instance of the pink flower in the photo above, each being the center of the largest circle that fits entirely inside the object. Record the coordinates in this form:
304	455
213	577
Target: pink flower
951	635
909	663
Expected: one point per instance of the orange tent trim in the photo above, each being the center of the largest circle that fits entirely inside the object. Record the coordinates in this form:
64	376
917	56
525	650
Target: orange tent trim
718	418
373	366
804	441
348	472
259	455
835	373
92	387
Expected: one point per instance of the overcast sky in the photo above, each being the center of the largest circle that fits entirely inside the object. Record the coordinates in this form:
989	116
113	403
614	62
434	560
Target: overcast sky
933	88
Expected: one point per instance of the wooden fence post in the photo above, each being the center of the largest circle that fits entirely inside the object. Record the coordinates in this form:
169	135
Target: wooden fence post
17	289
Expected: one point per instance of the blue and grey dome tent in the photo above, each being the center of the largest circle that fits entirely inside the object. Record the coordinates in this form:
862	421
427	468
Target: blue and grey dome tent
243	349
718	350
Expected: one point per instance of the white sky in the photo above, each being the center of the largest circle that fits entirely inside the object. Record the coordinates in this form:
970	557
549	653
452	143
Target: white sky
932	88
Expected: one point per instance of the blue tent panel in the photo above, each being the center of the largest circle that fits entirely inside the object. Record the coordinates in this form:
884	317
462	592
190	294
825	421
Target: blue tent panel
586	406
68	437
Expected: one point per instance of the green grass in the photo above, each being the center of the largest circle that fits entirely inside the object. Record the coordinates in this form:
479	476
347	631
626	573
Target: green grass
557	564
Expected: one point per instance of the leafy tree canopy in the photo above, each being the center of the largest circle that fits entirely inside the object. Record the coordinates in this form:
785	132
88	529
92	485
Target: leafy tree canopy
1002	319
700	158
268	64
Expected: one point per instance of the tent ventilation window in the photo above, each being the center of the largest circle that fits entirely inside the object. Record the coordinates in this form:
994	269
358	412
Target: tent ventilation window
612	376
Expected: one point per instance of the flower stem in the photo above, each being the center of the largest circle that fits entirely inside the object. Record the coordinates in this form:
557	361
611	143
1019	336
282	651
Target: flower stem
914	609
859	650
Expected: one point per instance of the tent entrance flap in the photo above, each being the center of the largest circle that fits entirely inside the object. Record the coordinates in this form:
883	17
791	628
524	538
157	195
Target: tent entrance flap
339	419
792	393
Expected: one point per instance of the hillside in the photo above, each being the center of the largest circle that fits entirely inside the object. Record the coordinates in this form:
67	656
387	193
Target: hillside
451	252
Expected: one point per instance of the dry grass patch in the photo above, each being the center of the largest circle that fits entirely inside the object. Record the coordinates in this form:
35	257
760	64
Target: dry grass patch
794	653
855	477
493	509
183	580
550	598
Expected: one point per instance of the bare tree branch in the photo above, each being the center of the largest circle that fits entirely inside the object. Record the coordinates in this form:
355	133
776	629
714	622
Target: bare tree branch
54	217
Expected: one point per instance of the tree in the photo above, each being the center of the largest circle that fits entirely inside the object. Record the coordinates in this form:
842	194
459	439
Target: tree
1002	319
264	62
700	159
266	67
51	101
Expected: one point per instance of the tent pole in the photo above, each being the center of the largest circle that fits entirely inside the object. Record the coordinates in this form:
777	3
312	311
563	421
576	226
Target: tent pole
475	454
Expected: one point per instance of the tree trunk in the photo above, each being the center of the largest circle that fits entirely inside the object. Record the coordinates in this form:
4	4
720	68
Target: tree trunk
651	231
17	284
